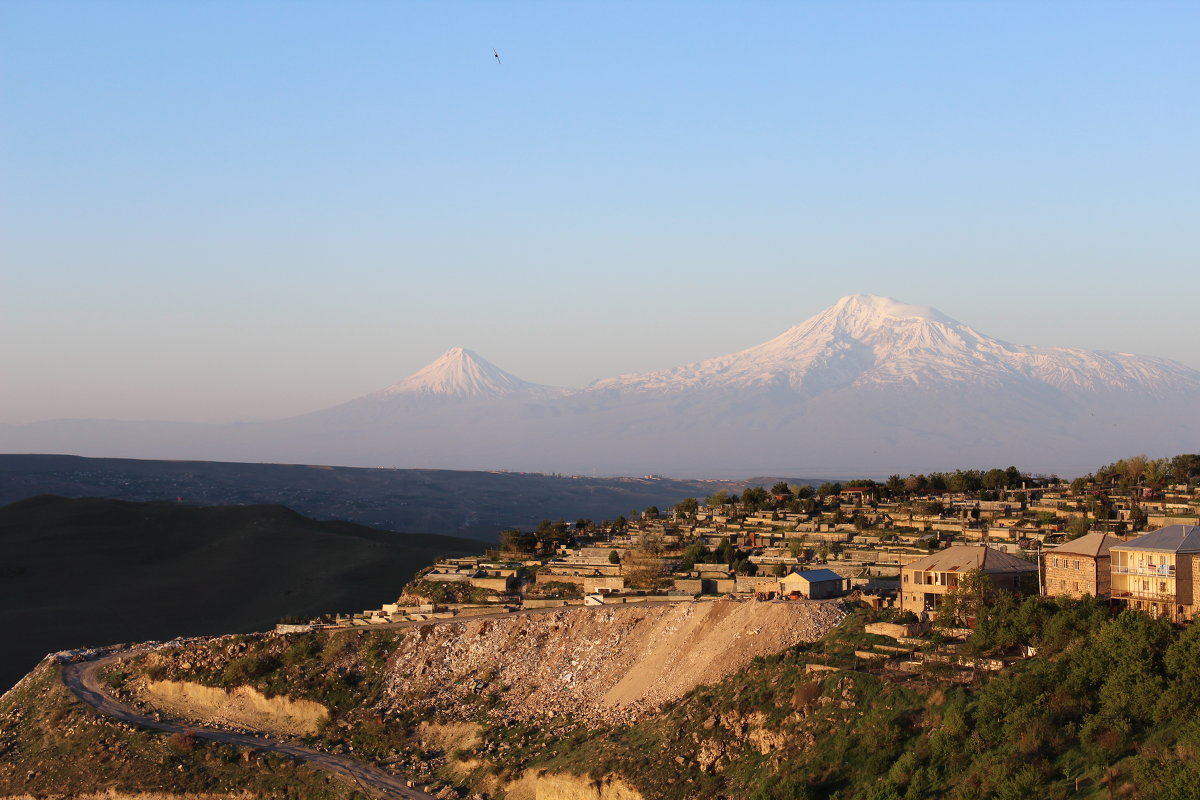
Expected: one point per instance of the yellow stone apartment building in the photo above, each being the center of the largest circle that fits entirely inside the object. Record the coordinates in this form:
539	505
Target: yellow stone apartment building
1157	572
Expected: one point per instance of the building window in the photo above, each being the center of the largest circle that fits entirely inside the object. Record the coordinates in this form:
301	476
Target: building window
1075	564
1162	587
1075	586
1056	562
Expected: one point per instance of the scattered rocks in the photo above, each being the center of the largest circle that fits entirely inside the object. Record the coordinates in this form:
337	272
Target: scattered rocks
614	664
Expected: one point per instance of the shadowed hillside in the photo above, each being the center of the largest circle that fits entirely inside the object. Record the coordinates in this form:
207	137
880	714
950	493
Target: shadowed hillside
473	504
87	572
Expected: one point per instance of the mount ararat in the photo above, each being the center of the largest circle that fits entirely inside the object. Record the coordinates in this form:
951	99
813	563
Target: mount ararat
868	386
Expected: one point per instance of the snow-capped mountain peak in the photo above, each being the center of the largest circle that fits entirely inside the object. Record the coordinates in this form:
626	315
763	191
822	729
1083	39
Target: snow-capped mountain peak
865	340
868	311
461	373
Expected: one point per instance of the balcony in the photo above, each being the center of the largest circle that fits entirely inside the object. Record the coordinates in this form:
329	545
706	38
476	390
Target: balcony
1150	570
1140	595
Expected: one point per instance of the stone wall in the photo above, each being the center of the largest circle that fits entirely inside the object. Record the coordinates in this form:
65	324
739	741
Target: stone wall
1069	580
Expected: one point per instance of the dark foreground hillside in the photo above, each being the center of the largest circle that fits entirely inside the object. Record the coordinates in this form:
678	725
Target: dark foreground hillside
86	572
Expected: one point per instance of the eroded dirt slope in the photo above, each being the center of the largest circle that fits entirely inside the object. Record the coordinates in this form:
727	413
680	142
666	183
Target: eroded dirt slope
614	662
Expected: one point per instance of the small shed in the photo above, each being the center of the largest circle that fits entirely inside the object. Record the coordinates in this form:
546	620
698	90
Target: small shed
814	584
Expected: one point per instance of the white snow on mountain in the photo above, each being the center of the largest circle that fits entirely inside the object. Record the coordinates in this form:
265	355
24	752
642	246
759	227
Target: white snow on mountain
868	386
461	373
864	340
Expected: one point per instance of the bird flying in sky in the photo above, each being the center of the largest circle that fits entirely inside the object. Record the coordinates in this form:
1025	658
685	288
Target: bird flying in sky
497	55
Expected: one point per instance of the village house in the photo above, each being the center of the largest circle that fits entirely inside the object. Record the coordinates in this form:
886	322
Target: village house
502	579
923	582
1079	567
1156	572
814	584
856	495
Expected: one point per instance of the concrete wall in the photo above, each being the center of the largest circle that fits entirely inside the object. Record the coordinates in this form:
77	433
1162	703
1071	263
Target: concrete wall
590	584
756	583
501	585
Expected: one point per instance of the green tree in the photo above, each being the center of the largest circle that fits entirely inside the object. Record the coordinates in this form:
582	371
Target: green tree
1078	527
727	552
1137	518
965	601
1185	467
744	566
517	542
614	557
687	507
995	479
755	498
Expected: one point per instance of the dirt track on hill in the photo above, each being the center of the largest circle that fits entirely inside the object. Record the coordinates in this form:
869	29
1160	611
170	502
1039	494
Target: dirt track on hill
83	679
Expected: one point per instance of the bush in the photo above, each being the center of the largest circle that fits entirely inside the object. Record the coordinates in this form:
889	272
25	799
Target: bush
248	668
184	741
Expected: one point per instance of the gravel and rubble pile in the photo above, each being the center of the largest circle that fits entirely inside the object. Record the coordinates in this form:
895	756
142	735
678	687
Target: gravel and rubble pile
611	663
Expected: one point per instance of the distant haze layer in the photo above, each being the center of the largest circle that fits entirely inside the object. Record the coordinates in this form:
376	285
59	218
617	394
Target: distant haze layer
868	386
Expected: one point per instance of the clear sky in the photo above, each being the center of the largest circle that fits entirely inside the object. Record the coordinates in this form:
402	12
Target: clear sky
246	210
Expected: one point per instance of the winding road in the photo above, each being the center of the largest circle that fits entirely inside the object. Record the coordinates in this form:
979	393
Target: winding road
83	679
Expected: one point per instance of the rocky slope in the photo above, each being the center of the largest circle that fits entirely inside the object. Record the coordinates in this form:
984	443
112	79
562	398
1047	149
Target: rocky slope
614	663
1107	708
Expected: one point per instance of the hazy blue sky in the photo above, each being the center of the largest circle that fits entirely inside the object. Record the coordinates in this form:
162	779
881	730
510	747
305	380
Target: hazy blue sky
241	210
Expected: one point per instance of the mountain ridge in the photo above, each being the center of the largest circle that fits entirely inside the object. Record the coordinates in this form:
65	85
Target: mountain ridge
870	385
888	342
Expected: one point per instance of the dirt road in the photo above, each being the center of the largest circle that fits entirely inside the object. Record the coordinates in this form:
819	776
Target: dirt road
83	679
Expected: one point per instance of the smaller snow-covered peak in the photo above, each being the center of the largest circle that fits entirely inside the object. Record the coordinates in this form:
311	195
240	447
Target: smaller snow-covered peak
461	373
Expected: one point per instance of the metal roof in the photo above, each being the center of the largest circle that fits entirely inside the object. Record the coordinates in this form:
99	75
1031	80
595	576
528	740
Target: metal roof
1171	539
1091	544
964	557
819	575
